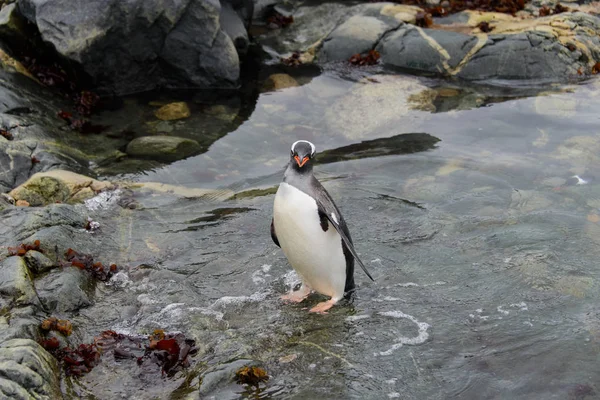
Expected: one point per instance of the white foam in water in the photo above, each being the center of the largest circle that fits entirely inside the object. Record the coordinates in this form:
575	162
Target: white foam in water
521	306
353	318
258	276
394	395
217	314
503	311
103	200
408	284
402	340
235	300
291	279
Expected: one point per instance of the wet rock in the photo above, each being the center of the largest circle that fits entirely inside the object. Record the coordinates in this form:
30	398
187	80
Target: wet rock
138	45
543	42
173	111
425	49
278	82
234	27
35	221
356	35
555	47
65	290
58	186
6	201
16	281
219	381
167	148
28	371
312	24
38	263
15	163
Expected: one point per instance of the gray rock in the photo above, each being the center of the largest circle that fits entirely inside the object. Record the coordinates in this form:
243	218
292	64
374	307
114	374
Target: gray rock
13	25
65	290
168	148
233	26
244	9
358	34
28	222
28	371
38	263
526	55
6	201
130	46
312	23
15	164
16	281
20	322
408	48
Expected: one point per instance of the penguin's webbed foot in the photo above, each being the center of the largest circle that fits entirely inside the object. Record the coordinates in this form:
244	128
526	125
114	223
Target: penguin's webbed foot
322	308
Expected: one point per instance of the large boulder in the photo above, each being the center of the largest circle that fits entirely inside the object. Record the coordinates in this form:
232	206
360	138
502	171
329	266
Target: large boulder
552	48
131	46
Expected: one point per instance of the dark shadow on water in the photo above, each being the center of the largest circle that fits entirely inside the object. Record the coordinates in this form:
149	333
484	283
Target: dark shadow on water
405	143
213	218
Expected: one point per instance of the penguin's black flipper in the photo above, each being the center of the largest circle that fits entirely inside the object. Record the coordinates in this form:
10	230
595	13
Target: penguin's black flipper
273	235
345	238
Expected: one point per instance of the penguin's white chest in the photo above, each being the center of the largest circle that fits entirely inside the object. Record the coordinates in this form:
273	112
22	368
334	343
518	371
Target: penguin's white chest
316	255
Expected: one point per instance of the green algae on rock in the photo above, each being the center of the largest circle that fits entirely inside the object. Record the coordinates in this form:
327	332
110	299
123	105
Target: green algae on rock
58	186
167	148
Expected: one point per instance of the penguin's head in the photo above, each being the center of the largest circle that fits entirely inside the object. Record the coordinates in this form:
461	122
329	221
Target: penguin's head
302	153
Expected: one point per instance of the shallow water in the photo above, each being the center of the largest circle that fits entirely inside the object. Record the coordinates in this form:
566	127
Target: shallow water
483	245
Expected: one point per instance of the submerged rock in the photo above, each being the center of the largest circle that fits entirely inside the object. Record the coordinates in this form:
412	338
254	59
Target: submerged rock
167	148
372	108
58	186
219	381
278	82
173	111
139	45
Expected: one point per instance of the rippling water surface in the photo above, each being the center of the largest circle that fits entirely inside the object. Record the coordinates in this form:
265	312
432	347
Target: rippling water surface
475	208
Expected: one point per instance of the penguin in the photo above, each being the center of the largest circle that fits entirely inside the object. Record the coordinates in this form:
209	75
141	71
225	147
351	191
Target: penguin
309	228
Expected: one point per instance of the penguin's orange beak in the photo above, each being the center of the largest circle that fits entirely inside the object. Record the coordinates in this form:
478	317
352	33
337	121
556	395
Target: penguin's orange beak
301	163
